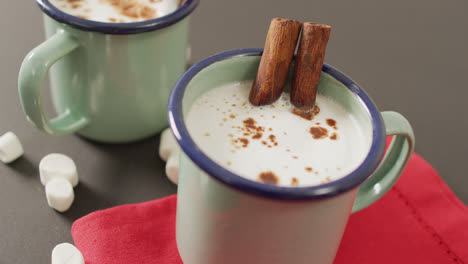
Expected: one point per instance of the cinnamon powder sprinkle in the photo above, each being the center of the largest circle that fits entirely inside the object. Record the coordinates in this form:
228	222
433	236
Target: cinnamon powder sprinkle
318	132
294	181
309	169
250	123
268	177
257	136
332	123
250	126
147	13
133	9
244	141
272	138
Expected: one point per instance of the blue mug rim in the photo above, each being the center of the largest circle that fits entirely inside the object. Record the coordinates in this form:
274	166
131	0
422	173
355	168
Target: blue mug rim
118	28
190	148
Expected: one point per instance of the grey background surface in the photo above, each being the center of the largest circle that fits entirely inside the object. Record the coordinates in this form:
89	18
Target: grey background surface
410	56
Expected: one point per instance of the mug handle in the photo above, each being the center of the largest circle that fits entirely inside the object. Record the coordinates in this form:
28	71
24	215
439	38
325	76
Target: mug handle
31	83
392	165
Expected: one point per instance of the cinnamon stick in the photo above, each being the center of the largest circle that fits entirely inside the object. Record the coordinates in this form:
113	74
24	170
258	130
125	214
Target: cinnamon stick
276	59
308	65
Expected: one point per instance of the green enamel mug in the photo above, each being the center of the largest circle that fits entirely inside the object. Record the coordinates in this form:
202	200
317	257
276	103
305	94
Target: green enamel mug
109	81
225	218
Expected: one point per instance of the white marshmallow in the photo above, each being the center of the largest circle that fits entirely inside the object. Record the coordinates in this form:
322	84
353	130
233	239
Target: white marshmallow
10	147
59	193
167	144
66	253
58	166
172	167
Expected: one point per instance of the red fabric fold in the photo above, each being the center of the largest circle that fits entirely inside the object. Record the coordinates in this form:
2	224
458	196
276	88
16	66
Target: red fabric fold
419	221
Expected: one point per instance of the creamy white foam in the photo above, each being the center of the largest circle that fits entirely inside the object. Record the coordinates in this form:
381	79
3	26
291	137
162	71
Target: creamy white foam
257	142
117	11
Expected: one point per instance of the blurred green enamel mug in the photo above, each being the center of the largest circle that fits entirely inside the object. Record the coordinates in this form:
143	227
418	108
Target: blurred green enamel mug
110	81
225	218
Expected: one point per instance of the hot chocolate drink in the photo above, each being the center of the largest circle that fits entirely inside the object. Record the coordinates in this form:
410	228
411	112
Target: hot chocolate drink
117	11
271	144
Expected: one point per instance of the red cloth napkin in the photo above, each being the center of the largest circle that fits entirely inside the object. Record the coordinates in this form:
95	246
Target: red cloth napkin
419	221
